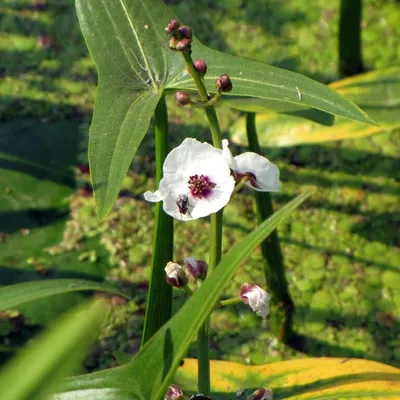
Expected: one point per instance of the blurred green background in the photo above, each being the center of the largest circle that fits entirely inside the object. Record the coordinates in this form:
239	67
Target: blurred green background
340	248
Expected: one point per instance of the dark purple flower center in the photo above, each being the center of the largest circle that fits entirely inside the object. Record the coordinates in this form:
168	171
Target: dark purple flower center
200	186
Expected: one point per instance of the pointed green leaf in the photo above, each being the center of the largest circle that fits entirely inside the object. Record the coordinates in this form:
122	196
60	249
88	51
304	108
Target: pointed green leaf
127	41
278	86
14	295
161	355
378	93
57	352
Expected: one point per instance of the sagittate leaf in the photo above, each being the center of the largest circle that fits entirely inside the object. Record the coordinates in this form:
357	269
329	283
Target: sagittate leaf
55	354
309	378
376	92
161	355
127	41
13	296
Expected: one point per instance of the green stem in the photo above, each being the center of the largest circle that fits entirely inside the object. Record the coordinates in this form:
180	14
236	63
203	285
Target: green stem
211	114
230	302
350	54
283	307
216	231
159	300
240	185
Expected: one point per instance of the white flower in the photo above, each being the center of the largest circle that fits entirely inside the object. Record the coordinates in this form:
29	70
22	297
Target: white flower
197	181
263	174
257	298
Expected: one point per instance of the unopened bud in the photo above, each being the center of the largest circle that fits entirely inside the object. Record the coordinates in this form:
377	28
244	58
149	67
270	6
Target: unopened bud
182	98
201	66
184	44
261	394
224	83
185	31
196	269
172	26
172	43
175	275
174	392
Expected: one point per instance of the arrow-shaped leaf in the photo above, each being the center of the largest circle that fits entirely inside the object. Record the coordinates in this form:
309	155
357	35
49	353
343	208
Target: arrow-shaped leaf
127	41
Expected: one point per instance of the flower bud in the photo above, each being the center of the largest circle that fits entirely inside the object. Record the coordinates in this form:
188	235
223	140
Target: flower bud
174	392
172	43
184	44
224	83
257	298
182	98
200	66
185	31
172	26
175	275
196	269
261	394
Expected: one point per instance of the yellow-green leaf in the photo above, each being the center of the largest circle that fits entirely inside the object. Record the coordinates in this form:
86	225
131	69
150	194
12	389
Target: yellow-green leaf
378	93
309	378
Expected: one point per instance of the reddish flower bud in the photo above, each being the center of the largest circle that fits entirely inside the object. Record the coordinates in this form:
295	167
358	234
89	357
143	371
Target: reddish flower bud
185	31
224	83
172	26
175	275
184	44
262	394
201	66
182	98
196	269
174	392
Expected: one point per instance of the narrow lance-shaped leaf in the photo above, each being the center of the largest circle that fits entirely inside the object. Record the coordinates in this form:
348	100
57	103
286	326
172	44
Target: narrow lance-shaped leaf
13	296
39	366
160	357
127	41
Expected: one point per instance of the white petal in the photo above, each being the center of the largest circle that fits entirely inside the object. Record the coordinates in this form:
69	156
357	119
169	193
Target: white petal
226	153
266	173
153	197
180	157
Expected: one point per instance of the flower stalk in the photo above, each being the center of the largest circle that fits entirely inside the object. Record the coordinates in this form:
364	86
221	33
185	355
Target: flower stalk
216	228
282	304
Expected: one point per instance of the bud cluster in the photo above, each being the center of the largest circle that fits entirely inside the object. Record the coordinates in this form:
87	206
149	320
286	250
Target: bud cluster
181	36
178	276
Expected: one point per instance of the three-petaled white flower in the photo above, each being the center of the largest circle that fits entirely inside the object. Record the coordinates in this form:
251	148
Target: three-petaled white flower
257	298
197	181
263	175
